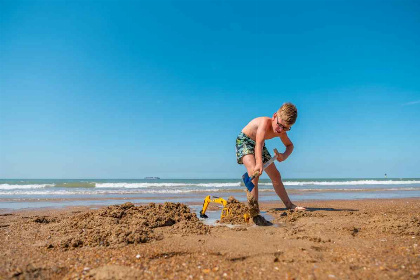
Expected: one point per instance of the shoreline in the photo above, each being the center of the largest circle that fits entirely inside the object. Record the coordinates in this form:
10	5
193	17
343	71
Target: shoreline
264	203
350	239
12	204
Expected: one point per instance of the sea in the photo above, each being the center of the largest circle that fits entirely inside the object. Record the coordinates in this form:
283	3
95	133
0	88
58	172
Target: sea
40	193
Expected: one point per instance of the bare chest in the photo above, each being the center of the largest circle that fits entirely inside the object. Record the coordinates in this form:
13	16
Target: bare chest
251	131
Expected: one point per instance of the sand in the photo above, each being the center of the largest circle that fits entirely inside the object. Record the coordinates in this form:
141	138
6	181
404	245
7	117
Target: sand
237	212
364	239
121	225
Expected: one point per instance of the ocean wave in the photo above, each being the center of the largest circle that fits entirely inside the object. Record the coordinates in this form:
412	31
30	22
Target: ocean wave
122	185
102	192
166	185
222	186
76	185
31	186
52	191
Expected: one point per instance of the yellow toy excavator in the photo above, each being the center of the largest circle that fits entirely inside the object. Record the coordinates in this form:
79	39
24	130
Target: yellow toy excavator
225	210
207	200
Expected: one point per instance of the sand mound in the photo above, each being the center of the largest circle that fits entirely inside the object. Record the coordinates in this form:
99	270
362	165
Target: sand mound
236	212
187	228
124	224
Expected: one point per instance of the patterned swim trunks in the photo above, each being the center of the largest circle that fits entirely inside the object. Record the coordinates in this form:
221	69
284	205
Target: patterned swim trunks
246	146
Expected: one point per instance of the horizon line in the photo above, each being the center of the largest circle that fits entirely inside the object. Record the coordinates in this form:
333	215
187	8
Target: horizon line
295	178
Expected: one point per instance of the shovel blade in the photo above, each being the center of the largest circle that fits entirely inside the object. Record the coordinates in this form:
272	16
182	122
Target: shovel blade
248	182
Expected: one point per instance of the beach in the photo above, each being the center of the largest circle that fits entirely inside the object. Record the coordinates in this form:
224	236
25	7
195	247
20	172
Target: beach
129	130
334	239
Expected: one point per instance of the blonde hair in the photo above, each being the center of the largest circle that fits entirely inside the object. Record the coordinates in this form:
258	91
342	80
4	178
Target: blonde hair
288	113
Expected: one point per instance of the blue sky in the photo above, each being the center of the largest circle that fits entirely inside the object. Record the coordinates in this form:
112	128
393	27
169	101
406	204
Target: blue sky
113	89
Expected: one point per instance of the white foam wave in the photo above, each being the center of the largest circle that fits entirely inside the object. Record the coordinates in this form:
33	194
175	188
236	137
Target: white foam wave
52	191
219	185
44	192
178	191
404	189
165	185
122	185
205	186
31	186
101	192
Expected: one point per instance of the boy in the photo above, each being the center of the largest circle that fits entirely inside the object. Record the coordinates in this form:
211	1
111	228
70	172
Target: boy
251	150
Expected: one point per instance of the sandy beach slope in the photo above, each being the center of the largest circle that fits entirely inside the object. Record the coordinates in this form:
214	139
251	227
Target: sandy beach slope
364	239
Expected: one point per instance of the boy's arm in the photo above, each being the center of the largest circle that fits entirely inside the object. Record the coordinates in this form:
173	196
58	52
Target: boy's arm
289	147
262	127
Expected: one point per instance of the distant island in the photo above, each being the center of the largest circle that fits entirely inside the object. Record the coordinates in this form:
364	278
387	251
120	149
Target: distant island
151	178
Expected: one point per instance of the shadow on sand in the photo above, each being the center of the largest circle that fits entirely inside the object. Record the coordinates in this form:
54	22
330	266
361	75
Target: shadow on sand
313	209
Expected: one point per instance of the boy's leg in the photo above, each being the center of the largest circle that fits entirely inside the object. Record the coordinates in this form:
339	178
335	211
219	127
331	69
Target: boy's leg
252	197
249	162
275	177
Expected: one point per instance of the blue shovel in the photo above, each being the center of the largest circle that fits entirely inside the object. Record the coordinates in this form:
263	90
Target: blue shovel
248	180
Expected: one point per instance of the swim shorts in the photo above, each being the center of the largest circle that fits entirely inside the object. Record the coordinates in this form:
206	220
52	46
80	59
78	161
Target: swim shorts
246	146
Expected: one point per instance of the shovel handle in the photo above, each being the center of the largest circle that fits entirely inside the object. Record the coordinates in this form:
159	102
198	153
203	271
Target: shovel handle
267	164
271	160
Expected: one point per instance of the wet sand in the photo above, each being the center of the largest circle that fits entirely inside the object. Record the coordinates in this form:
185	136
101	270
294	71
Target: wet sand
362	239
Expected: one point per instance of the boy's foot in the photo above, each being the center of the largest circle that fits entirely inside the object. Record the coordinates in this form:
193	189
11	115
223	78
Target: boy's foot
261	221
297	208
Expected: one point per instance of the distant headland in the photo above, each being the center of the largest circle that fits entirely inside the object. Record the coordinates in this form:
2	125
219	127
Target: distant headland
151	178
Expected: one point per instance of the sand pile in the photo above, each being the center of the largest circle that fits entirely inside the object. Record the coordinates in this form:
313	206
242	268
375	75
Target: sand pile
237	210
124	224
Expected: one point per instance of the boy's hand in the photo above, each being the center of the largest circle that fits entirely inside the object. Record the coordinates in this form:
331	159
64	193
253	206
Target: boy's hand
280	157
258	169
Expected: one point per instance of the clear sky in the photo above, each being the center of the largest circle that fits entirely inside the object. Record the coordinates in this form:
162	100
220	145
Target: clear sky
113	89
